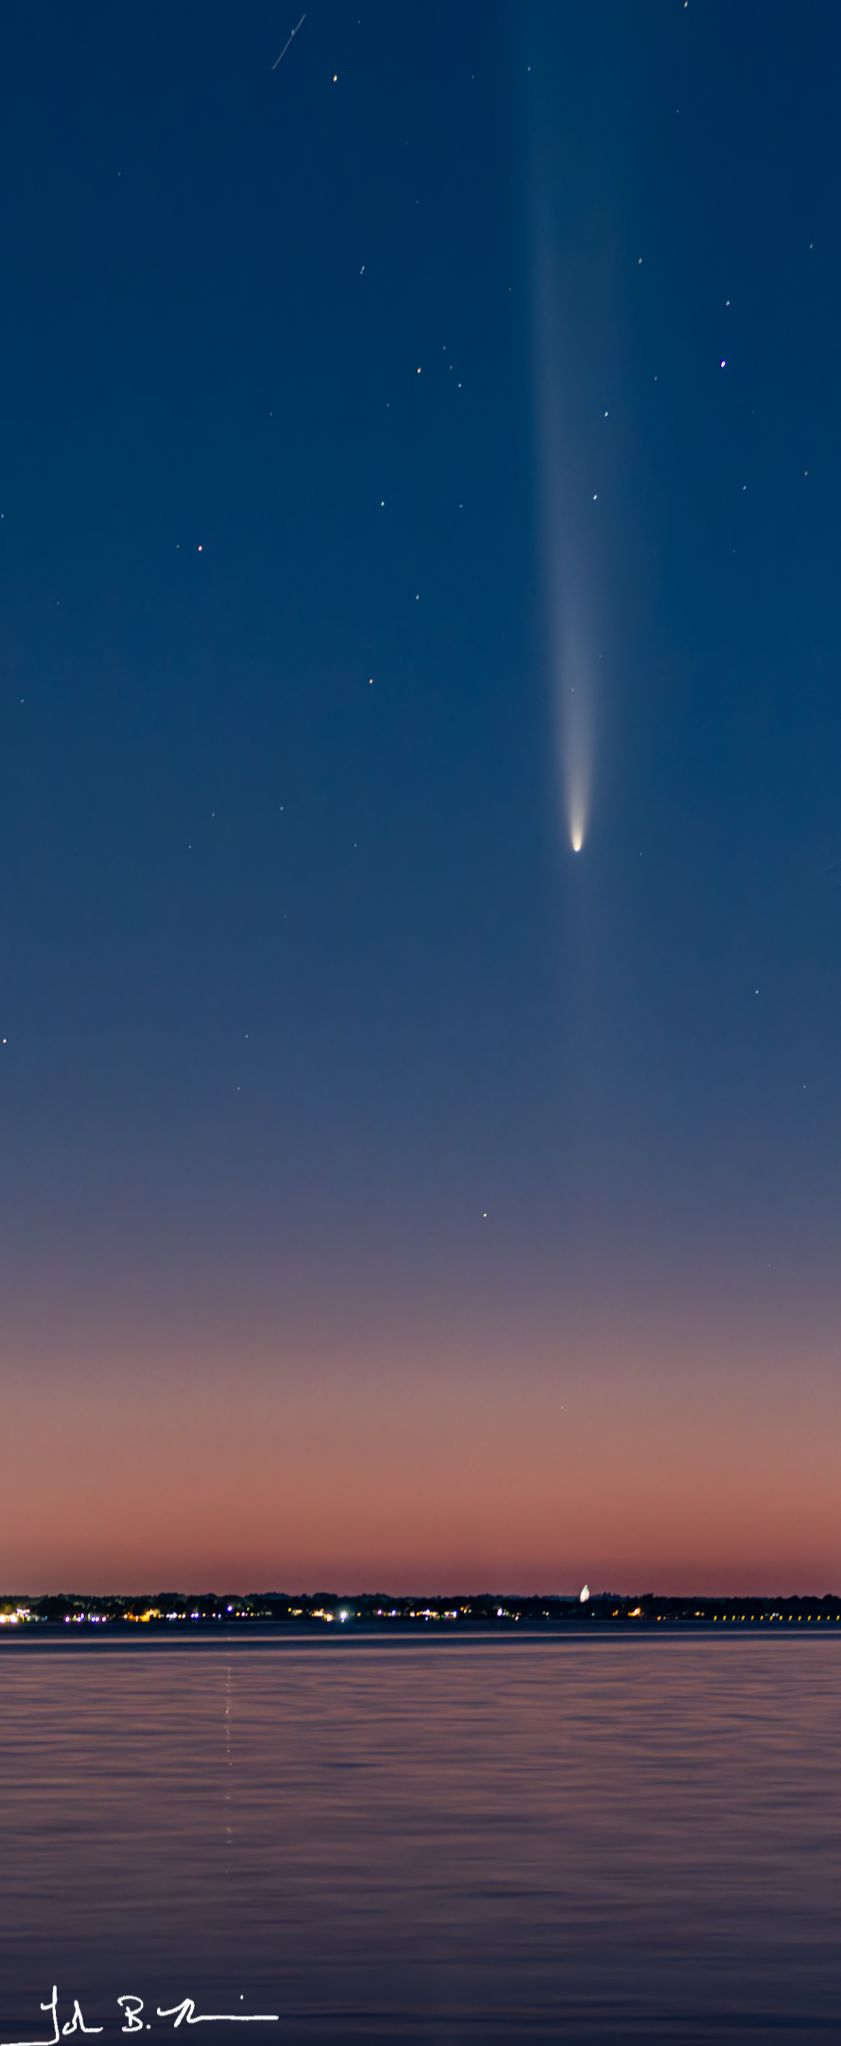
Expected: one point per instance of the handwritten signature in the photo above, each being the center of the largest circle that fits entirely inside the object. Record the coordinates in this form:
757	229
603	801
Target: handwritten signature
132	2007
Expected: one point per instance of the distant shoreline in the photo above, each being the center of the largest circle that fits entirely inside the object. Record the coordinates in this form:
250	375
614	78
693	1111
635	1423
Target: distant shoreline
268	1641
70	1619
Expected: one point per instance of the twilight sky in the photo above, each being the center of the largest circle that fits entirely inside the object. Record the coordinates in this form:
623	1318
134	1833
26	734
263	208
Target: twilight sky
390	1195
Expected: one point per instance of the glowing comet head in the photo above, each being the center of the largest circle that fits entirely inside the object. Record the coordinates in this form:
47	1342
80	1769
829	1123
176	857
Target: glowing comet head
576	743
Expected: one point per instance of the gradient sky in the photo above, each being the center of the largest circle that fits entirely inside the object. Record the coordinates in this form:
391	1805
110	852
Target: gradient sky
389	1196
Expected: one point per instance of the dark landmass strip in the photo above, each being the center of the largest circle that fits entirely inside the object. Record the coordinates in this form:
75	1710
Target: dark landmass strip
380	1612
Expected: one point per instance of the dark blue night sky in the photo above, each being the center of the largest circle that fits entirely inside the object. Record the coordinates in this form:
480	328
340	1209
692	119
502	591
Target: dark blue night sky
463	1208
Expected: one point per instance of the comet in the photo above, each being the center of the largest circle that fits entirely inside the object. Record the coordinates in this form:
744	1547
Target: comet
568	329
575	701
565	516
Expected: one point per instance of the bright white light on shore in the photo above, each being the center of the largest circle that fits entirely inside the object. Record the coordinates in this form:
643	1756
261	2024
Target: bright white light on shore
584	1595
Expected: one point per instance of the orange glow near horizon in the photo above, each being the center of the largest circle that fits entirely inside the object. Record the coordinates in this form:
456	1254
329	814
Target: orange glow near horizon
629	1460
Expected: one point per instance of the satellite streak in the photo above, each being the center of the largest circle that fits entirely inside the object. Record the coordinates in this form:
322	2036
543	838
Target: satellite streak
288	43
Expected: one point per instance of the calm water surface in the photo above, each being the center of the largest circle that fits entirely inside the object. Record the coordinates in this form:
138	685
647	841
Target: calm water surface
398	1842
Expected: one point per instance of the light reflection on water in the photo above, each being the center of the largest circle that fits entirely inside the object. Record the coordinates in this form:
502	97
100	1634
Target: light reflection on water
501	1841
